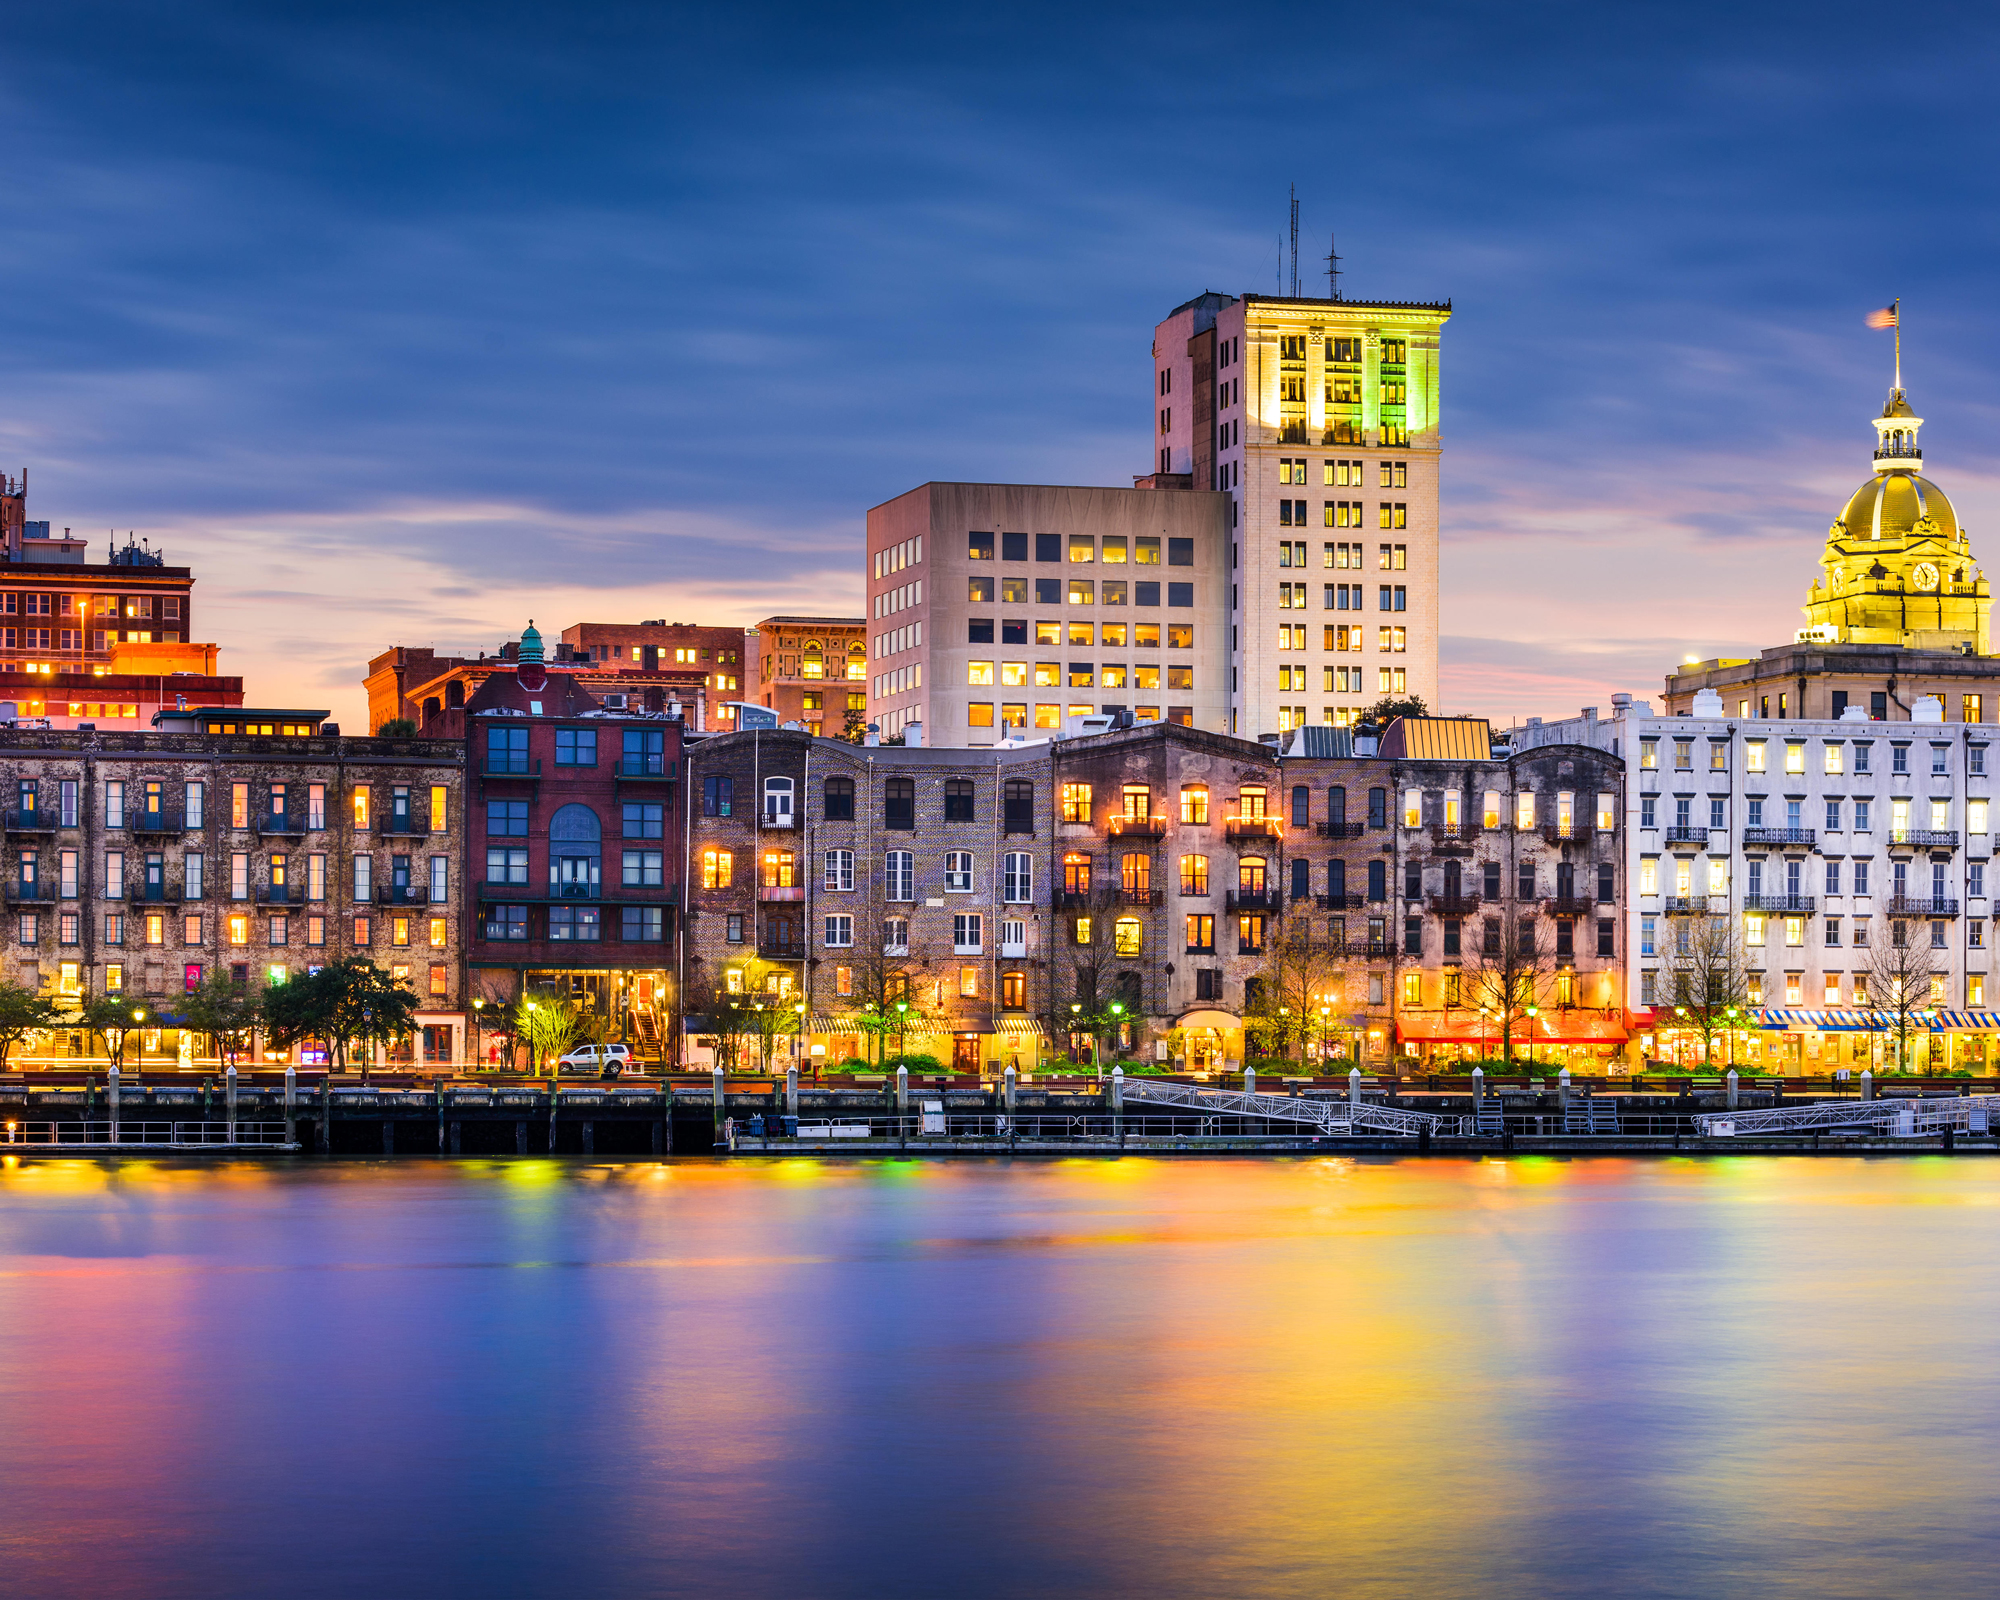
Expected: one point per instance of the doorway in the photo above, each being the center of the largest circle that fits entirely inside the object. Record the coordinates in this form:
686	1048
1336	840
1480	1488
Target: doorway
965	1055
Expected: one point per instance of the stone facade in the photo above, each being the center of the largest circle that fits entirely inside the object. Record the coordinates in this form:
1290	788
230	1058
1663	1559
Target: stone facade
813	670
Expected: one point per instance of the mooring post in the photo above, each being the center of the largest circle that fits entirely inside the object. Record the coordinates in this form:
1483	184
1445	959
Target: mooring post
229	1100
718	1092
1562	1091
1249	1080
1731	1081
1007	1094
111	1100
1867	1084
792	1090
291	1105
1478	1087
1354	1086
1118	1104
902	1104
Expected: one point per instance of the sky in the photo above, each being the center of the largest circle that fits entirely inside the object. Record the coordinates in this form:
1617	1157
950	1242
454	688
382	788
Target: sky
403	324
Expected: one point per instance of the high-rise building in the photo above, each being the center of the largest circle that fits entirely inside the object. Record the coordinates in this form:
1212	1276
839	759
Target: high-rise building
1319	420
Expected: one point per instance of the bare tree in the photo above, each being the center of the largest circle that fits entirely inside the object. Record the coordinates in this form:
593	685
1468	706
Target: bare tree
1707	981
1303	975
1900	970
1504	976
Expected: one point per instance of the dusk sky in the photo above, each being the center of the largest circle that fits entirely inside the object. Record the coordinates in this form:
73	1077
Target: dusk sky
402	324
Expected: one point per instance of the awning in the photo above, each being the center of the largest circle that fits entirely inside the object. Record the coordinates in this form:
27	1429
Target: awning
1564	1027
1210	1019
1021	1027
1838	1020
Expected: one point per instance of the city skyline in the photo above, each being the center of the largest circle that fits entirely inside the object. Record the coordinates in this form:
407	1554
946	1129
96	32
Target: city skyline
431	338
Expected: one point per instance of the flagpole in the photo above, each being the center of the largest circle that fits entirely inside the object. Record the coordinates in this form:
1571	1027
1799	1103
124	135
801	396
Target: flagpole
1898	326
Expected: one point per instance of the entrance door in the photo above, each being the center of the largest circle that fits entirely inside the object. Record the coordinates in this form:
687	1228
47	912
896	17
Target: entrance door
1203	1047
965	1055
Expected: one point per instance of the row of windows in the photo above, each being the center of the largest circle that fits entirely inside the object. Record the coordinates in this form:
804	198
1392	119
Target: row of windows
1345	474
288	806
585	924
897	557
1079	675
1794	989
282	882
1343	514
640	819
1859	877
1343	597
1833	754
14	603
1083	549
1342	637
1049	714
153	928
1758	932
1353	554
1111	635
642	751
1078	592
1906	817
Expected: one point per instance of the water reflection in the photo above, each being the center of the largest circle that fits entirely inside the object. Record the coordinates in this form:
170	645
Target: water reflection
1137	1378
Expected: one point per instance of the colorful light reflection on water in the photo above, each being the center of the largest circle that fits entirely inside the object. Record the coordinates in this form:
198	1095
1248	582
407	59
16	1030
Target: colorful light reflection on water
1215	1378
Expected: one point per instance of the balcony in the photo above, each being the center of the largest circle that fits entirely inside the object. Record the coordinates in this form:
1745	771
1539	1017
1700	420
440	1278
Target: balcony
1142	897
517	768
1340	830
1784	905
288	824
786	820
31	894
1373	949
410	894
1454	905
403	826
281	894
1570	905
156	822
1687	905
1902	905
1924	838
1136	827
780	949
1254	900
644	769
1796	838
32	820
1338	902
154	894
1074	899
1697	837
772	892
1252	828
1563	832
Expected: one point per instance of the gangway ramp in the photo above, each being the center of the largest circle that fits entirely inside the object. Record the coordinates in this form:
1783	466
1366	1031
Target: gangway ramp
1898	1118
1327	1116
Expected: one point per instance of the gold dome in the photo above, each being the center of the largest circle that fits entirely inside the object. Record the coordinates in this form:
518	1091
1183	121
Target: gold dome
1890	505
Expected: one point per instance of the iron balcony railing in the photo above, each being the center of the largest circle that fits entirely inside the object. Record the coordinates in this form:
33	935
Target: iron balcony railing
1252	828
639	769
1454	905
1780	836
1142	897
282	822
1341	830
1136	827
511	767
1254	900
32	820
281	894
30	893
1570	905
1782	904
1925	838
1902	905
157	822
1687	835
1338	902
401	894
162	893
405	826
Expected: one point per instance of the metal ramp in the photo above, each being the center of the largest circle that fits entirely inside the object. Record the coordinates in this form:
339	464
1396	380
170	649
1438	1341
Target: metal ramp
1328	1116
1587	1114
1899	1118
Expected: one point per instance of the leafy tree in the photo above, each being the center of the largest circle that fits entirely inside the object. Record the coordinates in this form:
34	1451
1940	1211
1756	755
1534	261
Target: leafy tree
349	1002
1302	977
223	1012
854	728
397	728
1707	984
1900	972
107	1018
1390	707
548	1021
1503	977
22	1011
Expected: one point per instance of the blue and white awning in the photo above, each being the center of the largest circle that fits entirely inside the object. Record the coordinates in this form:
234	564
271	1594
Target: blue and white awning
1836	1020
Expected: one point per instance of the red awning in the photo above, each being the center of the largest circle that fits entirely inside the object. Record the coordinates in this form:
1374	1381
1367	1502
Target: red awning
1562	1027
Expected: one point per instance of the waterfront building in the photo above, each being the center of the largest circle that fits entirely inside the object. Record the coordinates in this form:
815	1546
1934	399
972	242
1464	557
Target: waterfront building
418	684
1319	421
998	610
247	841
1185	876
812	670
575	846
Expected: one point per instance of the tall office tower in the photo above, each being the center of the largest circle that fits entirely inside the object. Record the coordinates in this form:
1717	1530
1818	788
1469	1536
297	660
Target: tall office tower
1319	419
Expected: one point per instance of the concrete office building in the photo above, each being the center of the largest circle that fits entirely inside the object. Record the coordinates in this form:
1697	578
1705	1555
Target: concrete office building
1004	609
1318	419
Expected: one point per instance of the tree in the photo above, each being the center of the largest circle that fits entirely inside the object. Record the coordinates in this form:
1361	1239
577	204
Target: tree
397	728
548	1021
107	1018
1390	707
1707	984
1900	970
1503	977
22	1011
223	1012
854	727
349	1002
1302	977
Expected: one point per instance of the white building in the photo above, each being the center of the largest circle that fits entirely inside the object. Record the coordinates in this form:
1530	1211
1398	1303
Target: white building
1823	838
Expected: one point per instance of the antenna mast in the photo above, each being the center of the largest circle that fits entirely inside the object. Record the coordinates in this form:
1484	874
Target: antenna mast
1332	268
1295	241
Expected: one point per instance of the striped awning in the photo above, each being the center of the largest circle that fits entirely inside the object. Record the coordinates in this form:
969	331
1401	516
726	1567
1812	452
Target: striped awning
1025	1027
1837	1020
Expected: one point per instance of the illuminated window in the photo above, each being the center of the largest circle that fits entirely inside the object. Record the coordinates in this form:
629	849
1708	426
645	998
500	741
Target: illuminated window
717	869
1128	937
1076	802
1194	805
239	930
361	805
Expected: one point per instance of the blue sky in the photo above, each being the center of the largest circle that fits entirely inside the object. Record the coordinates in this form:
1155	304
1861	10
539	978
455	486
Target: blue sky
405	323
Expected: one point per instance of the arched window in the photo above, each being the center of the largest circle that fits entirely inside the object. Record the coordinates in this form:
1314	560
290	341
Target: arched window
899	803
576	851
857	662
777	802
1076	872
1302	806
839	799
1018	797
1253	802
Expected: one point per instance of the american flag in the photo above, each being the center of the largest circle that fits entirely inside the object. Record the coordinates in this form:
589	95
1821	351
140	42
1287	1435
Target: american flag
1885	318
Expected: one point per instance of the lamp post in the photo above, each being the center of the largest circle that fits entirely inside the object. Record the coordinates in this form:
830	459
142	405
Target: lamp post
367	1042
478	1006
902	1022
1531	1011
1484	1054
138	1016
799	1039
1680	1035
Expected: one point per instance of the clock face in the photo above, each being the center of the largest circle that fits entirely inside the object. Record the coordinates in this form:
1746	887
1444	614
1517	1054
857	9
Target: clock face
1924	575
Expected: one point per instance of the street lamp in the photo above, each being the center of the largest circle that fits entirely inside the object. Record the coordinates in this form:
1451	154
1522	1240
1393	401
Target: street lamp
902	1022
800	1038
478	1006
1531	1010
139	1016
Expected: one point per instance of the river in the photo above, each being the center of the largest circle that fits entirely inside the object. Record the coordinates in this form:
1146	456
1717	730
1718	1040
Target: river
1213	1378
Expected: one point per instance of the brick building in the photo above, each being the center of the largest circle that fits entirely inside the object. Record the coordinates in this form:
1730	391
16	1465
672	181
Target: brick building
575	848
813	670
258	844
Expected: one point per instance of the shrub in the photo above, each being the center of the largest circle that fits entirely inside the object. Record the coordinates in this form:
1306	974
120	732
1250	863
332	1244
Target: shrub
916	1061
851	1065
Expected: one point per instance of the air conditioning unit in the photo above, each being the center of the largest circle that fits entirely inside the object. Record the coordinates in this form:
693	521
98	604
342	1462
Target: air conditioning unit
617	702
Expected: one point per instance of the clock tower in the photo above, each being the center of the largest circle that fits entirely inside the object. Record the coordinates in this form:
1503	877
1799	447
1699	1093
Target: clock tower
1898	569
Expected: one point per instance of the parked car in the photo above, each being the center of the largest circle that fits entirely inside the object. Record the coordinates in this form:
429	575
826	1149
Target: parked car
606	1060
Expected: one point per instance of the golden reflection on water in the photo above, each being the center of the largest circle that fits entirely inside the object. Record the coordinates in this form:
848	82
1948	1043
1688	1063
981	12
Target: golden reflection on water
1145	1377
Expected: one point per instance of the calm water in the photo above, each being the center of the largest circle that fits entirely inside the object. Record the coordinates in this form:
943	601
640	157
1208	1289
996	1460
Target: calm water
1250	1378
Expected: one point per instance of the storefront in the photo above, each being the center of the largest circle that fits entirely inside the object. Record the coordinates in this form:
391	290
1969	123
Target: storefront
1586	1042
1208	1041
1808	1043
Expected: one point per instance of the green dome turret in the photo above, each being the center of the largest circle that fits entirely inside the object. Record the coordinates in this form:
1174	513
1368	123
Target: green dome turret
531	646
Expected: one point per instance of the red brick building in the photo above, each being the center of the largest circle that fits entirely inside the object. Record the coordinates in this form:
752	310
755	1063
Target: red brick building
575	850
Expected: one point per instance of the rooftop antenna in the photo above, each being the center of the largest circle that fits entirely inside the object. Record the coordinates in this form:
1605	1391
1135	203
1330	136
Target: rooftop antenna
1295	241
1332	268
